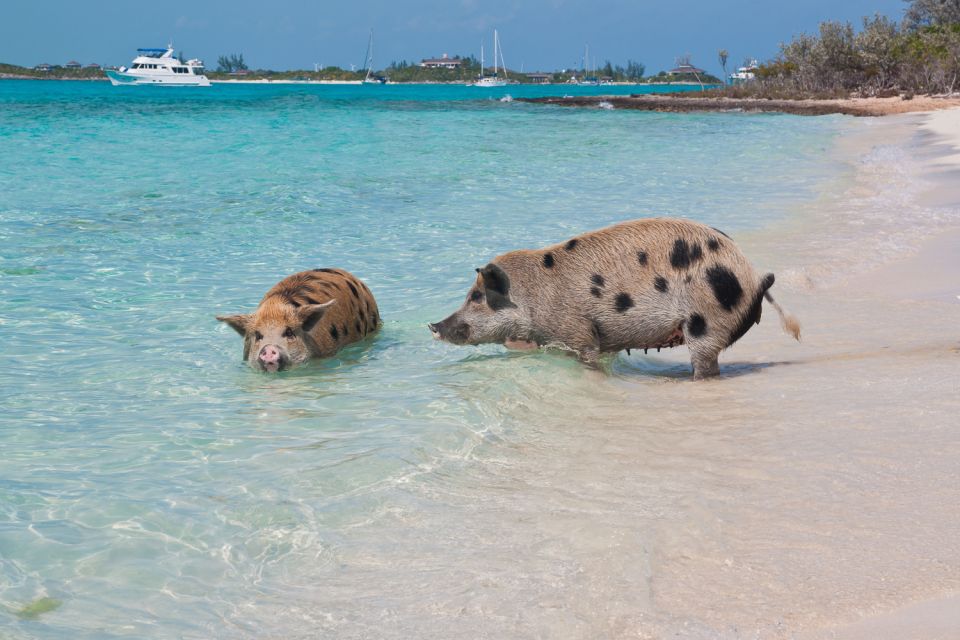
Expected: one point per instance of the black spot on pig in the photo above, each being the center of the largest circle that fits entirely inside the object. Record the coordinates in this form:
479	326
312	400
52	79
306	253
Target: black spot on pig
697	325
476	295
680	254
334	333
695	252
548	260
713	244
750	318
623	302
642	258
726	287
595	292
660	284
571	244
597	279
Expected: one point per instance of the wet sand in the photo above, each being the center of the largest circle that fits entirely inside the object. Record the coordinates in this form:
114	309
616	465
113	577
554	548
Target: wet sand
684	104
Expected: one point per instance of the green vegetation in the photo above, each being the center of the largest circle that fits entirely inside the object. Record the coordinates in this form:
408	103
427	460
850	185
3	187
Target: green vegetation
404	71
37	608
57	72
299	75
883	58
231	63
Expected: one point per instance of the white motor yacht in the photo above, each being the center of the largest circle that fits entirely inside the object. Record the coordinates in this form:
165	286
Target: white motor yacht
160	67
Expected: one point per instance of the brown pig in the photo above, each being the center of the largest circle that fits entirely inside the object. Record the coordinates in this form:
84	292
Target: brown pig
644	284
307	315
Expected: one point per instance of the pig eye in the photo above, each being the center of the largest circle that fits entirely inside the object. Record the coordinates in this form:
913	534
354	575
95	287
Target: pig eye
476	295
257	336
288	333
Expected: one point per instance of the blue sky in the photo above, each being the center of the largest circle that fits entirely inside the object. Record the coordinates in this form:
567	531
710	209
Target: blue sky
537	34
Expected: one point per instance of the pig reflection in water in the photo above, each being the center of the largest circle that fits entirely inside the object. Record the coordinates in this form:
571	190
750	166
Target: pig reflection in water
311	314
636	285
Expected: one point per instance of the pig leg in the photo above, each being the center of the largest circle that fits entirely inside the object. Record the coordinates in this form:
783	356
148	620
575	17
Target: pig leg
587	344
705	365
703	350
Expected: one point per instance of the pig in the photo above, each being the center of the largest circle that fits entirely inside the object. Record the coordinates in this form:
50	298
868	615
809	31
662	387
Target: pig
642	284
311	314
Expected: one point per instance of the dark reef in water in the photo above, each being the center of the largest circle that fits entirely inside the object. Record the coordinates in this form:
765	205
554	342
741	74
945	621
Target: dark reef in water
684	104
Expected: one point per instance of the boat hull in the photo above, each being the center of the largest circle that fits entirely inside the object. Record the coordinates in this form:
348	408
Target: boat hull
126	79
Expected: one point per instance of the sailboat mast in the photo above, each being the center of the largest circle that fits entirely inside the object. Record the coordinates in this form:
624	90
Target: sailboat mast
495	47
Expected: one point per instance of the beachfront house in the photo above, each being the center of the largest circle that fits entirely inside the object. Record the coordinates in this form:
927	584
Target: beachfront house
443	62
43	66
93	66
540	78
73	64
684	71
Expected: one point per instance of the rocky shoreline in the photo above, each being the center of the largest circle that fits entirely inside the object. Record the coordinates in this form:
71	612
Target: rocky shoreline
863	107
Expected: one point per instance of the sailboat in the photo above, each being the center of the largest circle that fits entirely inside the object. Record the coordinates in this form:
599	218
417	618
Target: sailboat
370	78
495	80
588	81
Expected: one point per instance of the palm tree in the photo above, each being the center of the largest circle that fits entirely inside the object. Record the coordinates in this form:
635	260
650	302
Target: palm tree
723	54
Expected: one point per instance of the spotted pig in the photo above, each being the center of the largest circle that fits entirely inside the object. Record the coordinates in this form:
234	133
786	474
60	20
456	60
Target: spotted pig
644	284
310	314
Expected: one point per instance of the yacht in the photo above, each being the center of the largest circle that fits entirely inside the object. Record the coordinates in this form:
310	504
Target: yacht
745	73
494	80
370	77
160	67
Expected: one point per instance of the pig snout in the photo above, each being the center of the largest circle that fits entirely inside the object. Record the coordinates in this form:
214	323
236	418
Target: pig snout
270	358
450	330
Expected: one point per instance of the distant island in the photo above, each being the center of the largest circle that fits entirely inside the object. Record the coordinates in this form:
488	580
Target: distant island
443	70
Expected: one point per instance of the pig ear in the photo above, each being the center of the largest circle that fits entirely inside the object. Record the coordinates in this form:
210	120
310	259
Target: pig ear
310	314
496	285
495	279
238	321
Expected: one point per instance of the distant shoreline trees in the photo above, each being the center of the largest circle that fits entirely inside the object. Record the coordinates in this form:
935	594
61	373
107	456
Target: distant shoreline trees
919	55
231	63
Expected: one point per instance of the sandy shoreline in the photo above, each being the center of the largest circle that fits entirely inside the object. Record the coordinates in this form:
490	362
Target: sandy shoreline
887	333
684	104
926	278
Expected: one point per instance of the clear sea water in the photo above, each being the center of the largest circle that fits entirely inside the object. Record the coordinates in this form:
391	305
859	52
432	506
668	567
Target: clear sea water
151	485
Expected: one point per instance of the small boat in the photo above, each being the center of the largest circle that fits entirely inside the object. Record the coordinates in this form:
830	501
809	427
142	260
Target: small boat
159	67
495	80
370	78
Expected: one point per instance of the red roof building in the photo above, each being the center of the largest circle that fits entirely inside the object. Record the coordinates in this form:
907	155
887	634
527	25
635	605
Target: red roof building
442	62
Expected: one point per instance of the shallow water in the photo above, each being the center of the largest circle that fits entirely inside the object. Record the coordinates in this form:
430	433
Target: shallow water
153	486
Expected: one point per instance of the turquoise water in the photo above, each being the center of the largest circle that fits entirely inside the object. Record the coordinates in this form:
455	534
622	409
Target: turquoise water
154	486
